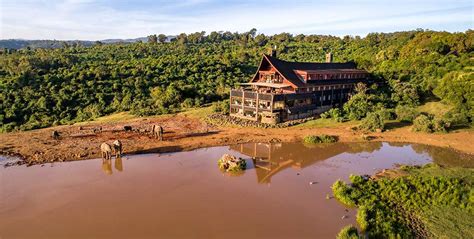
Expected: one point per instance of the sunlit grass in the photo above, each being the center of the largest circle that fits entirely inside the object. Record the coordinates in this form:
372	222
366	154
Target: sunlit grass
436	108
321	123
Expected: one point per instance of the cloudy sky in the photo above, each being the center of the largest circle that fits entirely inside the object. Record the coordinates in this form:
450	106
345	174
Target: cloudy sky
105	19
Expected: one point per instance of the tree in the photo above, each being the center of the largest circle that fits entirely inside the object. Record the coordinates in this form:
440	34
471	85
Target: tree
162	38
457	88
152	39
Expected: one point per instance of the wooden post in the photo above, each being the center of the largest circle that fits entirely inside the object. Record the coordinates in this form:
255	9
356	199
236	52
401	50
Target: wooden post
332	95
243	102
256	107
341	96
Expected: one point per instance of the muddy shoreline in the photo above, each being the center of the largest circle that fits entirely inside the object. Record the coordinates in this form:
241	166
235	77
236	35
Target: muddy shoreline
182	133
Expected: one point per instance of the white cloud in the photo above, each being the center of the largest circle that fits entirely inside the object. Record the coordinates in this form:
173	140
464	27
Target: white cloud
101	19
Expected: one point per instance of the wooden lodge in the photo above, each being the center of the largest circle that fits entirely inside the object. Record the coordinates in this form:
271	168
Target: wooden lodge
281	90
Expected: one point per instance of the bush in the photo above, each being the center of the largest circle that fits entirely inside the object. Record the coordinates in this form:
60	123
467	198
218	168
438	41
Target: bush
429	124
422	123
221	106
317	139
348	232
406	113
334	113
374	121
362	217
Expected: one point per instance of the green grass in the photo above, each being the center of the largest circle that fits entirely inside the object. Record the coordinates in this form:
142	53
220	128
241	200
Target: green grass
321	123
348	232
199	112
116	117
436	108
438	201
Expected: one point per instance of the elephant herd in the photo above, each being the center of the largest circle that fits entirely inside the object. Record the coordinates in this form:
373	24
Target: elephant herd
116	148
107	150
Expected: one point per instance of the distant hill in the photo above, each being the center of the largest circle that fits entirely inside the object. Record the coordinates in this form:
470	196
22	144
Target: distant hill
21	43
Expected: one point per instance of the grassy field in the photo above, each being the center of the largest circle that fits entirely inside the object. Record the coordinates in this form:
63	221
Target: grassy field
436	108
321	123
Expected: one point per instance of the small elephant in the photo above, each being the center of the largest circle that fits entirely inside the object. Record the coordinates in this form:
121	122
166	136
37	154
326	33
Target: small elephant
157	132
117	148
106	151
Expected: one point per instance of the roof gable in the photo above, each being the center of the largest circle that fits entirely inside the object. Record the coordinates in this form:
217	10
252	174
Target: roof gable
287	69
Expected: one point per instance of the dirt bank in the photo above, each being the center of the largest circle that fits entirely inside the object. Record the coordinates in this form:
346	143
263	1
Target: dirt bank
186	133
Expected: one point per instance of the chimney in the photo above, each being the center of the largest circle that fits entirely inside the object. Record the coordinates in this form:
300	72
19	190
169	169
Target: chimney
328	57
273	53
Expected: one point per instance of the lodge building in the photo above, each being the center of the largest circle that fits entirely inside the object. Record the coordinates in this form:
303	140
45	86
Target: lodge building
282	90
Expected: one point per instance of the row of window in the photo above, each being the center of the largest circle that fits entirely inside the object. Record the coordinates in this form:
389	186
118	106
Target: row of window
336	76
327	87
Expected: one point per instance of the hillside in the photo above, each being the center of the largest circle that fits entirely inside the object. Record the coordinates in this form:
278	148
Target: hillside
44	87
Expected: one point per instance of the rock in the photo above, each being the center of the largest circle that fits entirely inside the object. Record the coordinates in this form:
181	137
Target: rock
311	183
344	217
229	163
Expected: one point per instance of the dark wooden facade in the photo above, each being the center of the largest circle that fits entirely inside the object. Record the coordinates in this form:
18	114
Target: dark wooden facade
282	91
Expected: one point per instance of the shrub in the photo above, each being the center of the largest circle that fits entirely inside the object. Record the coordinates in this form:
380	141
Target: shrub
342	193
406	113
422	123
374	121
221	106
316	139
429	124
362	217
334	113
348	232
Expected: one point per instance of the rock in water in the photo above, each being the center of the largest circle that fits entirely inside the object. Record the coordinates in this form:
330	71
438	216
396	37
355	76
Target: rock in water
230	163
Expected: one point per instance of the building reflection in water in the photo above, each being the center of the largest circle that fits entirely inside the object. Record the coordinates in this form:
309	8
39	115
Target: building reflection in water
107	165
270	159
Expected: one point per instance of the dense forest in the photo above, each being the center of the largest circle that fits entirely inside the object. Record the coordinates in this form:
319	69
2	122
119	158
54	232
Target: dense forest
44	87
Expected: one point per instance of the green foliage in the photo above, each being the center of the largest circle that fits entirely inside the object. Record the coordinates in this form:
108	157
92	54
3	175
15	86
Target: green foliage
457	88
334	113
374	121
317	139
362	217
406	113
221	106
42	87
365	101
405	93
348	232
387	207
429	124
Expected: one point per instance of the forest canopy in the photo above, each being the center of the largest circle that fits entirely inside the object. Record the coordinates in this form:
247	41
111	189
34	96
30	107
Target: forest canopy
44	87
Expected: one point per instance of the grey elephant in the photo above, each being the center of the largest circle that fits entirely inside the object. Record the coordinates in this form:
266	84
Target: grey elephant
106	151
117	147
157	132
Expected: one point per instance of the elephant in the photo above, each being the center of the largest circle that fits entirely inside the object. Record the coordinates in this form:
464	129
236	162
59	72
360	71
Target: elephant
106	151
157	132
117	148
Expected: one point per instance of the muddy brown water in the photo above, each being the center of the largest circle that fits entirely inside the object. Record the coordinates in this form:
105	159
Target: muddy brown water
184	195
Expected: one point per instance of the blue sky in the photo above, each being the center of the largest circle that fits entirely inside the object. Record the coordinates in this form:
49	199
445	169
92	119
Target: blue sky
104	19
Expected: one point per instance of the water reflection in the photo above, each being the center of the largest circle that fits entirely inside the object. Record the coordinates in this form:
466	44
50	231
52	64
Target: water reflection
107	165
269	159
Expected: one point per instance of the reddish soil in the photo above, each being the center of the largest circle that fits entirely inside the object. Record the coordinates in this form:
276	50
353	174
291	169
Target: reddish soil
186	133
